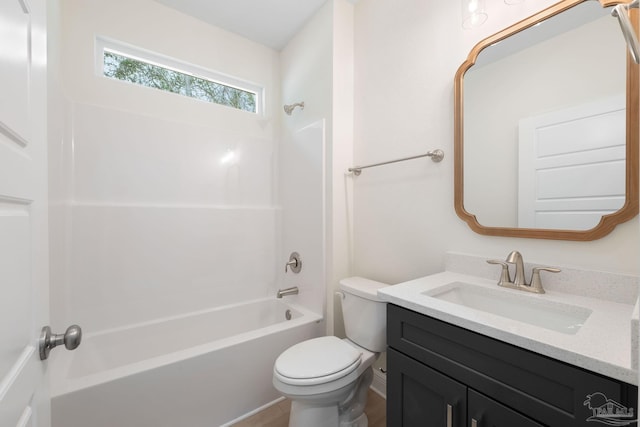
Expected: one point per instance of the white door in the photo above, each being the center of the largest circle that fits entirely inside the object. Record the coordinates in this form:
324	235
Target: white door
572	165
24	296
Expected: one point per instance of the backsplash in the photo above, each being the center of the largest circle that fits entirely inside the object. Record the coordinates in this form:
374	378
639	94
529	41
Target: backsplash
613	287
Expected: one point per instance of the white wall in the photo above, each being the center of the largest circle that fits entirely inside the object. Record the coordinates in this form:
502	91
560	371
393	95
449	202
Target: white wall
405	60
149	222
306	77
317	69
341	214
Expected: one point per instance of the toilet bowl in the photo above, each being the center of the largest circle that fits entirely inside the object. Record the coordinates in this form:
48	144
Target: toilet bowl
327	378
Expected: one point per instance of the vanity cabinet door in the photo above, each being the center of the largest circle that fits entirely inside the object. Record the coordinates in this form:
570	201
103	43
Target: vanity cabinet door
422	396
538	386
485	412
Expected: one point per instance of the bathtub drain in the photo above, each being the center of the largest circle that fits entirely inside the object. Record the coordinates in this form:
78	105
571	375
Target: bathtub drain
287	314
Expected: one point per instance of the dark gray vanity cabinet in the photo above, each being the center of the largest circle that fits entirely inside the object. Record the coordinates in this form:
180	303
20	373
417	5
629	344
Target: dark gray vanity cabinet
418	393
443	375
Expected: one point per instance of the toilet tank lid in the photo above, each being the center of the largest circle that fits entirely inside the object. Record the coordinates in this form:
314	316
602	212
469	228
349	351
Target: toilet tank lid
364	288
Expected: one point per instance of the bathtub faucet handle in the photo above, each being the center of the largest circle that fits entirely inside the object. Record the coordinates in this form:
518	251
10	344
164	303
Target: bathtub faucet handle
294	262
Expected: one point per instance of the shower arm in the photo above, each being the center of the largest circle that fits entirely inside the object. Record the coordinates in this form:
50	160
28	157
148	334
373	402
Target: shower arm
289	108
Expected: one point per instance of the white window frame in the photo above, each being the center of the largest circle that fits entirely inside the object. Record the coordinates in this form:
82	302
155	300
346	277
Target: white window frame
120	48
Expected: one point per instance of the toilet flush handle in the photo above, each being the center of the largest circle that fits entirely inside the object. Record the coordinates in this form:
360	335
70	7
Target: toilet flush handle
341	294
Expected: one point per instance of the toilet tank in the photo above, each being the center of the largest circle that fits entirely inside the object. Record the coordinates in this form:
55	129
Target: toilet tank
365	315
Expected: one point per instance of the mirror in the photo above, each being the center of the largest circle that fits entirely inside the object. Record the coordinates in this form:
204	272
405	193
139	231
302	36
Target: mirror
546	127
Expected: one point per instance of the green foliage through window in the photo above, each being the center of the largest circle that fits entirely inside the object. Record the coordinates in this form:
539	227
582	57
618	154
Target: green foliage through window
145	74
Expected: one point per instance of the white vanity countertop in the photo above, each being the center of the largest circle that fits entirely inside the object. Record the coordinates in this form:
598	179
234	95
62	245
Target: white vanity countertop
603	344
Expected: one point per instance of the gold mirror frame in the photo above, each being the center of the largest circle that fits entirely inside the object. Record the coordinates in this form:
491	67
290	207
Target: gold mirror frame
608	222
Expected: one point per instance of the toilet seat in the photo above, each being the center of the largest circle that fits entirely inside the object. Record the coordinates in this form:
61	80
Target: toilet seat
317	361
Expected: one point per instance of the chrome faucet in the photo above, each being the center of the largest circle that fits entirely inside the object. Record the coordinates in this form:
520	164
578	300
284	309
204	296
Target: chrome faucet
288	291
519	282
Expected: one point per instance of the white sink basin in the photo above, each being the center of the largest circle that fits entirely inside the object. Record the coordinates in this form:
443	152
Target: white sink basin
525	308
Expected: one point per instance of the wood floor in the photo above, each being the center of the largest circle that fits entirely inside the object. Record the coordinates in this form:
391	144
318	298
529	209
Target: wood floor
278	415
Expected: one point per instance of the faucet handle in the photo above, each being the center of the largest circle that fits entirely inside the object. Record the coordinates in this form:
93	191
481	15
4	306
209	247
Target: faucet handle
294	262
536	281
505	279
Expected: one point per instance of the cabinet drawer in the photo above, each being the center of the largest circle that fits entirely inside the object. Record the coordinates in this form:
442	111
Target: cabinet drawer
545	389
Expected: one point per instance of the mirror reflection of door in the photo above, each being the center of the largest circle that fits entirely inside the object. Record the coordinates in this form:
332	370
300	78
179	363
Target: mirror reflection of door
575	58
572	165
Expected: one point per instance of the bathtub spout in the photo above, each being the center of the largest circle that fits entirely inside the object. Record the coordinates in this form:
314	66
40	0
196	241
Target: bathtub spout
288	291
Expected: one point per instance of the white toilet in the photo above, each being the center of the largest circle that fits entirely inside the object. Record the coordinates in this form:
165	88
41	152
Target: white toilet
327	378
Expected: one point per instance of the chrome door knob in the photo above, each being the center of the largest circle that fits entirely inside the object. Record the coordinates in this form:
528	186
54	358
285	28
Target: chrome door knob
71	340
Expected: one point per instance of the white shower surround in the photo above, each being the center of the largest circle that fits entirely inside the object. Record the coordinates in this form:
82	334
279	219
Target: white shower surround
150	219
200	265
158	226
147	218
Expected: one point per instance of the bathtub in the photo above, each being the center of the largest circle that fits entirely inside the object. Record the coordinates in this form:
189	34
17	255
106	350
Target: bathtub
208	369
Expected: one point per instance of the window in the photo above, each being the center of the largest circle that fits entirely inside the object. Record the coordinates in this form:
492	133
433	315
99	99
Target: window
133	65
